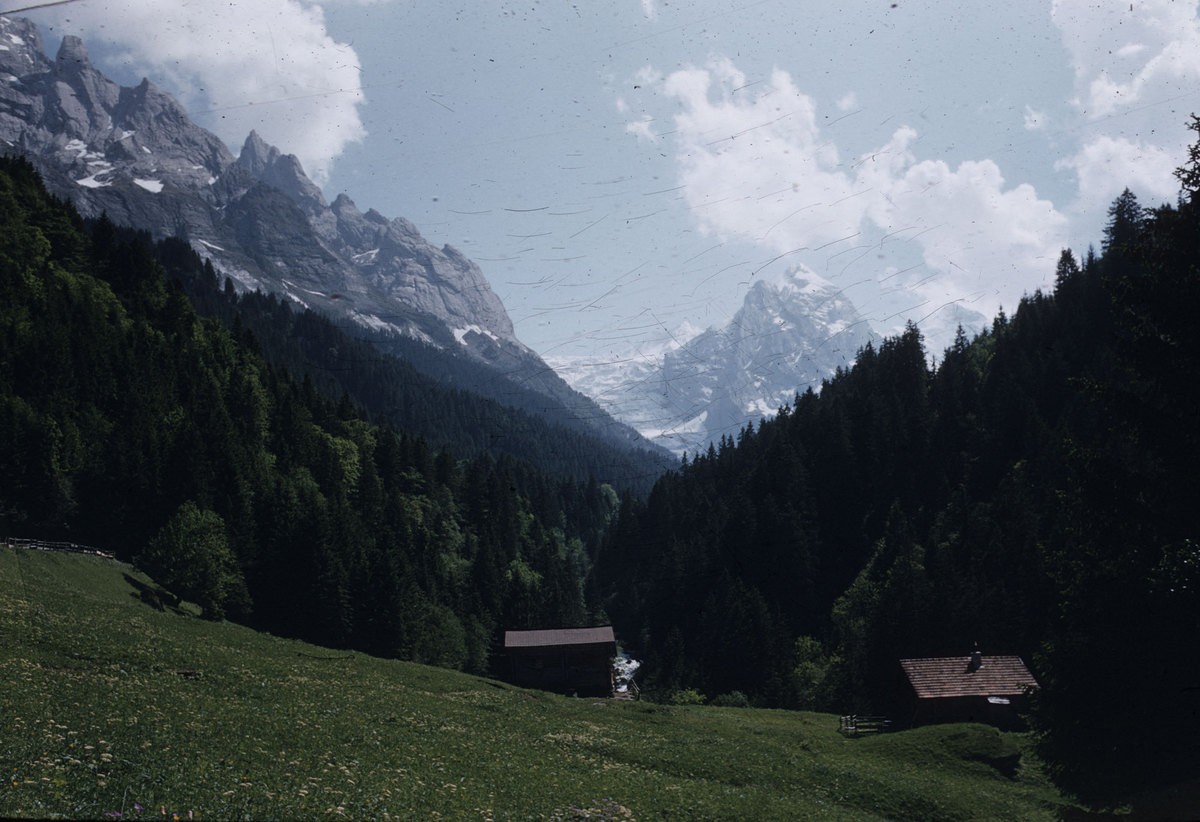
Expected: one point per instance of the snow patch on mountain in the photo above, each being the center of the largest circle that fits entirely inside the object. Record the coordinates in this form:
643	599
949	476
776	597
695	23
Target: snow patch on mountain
789	335
92	181
460	334
376	323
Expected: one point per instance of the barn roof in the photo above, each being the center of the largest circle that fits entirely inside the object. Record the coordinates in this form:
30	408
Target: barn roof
559	637
954	676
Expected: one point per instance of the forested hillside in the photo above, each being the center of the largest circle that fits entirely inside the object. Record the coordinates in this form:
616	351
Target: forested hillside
1034	491
467	407
130	423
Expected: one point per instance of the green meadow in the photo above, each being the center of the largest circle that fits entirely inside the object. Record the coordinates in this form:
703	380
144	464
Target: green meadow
112	708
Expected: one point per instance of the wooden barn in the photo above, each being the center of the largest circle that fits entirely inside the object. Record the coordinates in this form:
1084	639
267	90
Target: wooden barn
972	688
566	660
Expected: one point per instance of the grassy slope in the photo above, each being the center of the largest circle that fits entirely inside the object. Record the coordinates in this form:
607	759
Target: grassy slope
106	703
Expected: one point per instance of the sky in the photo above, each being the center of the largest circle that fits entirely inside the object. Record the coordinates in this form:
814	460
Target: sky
624	170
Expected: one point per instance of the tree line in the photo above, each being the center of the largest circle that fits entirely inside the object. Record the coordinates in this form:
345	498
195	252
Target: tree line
1032	491
440	395
131	422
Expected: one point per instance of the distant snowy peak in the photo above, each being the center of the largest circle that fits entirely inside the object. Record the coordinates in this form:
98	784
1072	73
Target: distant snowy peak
788	336
799	307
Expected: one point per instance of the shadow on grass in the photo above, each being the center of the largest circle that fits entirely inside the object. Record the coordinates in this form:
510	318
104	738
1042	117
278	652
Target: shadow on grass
326	657
157	597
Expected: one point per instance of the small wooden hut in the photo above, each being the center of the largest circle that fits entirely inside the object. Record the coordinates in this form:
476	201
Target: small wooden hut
972	688
566	660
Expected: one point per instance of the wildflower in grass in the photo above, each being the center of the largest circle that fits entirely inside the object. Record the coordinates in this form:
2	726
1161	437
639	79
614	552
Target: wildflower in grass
601	810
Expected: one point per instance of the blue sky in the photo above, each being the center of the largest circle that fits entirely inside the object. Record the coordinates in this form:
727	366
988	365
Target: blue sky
623	171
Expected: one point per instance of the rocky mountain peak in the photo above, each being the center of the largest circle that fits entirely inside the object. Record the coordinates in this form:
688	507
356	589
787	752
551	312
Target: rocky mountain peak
84	97
134	154
24	49
257	155
98	138
282	171
373	216
72	57
788	335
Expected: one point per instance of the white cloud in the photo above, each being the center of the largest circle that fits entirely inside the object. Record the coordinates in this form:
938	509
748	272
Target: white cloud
1129	54
1106	166
642	129
267	65
755	167
648	9
759	169
1133	63
979	235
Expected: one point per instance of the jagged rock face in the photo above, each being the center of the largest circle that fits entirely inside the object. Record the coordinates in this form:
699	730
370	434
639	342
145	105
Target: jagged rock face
135	154
398	261
89	127
786	337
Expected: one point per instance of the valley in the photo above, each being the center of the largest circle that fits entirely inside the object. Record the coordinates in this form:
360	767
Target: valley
321	431
116	710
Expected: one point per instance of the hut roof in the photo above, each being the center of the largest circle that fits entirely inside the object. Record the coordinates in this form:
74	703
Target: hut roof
559	637
955	676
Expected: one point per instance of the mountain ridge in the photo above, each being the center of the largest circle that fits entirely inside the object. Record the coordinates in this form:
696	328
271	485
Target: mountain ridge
788	335
133	154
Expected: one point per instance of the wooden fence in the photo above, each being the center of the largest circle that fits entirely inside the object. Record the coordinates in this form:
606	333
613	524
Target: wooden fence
855	725
44	545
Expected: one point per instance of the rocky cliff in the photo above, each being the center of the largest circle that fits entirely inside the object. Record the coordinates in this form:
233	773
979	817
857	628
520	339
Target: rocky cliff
134	154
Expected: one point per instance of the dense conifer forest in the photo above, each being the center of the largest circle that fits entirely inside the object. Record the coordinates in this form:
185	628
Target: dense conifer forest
392	379
1033	491
129	422
466	407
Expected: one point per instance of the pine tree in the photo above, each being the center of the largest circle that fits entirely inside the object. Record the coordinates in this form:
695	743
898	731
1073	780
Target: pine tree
1067	268
1189	173
1125	218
